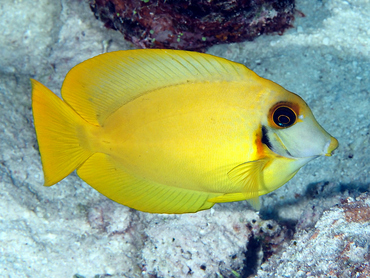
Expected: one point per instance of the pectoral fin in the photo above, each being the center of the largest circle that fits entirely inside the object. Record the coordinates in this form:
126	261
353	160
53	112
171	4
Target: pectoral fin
255	203
248	177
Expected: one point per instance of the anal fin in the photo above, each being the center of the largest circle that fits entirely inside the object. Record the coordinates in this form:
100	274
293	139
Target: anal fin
108	177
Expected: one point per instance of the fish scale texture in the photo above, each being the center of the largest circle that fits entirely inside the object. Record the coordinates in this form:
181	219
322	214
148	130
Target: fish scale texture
70	229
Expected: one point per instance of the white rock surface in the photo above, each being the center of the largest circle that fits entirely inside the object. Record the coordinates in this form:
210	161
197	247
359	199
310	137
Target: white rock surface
338	246
29	29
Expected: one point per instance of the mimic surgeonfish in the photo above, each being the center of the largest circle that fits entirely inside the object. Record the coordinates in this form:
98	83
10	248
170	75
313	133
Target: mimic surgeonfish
169	131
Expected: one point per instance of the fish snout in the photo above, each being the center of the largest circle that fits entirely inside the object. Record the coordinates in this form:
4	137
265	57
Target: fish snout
330	146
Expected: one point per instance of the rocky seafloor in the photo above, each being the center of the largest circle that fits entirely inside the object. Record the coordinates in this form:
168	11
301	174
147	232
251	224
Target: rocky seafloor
317	225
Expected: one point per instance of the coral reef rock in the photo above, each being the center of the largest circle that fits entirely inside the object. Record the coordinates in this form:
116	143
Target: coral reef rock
338	246
208	243
193	25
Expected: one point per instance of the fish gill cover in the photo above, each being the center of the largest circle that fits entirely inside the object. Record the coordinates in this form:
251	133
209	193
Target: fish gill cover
193	25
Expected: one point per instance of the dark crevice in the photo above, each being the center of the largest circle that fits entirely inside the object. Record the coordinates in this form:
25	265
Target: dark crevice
252	259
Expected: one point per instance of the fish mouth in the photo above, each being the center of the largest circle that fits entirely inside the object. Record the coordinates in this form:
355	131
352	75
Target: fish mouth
331	146
296	152
297	145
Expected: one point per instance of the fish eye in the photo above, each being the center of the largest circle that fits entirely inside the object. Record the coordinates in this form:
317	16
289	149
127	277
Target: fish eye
284	116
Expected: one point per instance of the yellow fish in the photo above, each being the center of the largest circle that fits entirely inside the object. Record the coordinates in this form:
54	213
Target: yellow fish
169	131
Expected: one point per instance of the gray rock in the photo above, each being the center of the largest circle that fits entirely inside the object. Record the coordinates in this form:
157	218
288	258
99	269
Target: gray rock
338	245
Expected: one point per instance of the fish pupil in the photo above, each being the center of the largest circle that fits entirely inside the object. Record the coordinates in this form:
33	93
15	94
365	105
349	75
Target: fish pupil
283	120
284	116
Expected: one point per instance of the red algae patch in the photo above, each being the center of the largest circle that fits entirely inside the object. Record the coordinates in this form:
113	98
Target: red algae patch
193	25
358	211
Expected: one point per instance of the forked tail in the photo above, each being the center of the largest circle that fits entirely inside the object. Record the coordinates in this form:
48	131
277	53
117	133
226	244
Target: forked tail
59	130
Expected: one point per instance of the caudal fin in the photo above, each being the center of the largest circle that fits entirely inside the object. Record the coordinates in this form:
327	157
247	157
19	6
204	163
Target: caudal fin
59	129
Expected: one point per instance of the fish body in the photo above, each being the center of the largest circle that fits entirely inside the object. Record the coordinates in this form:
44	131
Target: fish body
169	131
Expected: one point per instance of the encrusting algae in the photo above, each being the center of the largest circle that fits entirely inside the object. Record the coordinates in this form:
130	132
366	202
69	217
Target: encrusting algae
169	131
193	25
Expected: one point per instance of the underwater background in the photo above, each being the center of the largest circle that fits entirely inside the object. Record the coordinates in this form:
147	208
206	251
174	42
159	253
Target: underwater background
317	225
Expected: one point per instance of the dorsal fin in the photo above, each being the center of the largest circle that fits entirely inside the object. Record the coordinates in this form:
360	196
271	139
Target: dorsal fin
99	86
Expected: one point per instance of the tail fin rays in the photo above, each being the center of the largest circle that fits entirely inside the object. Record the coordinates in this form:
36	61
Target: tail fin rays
58	128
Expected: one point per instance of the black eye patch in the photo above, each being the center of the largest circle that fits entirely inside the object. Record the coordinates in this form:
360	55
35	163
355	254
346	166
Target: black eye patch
265	139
